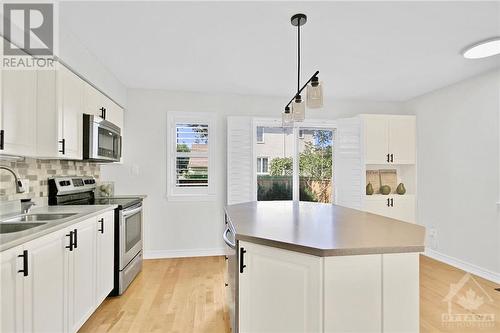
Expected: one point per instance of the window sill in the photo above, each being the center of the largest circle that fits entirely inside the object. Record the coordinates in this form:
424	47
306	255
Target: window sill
196	198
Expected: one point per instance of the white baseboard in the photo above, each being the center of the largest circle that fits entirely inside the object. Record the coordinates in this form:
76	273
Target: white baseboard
160	254
463	265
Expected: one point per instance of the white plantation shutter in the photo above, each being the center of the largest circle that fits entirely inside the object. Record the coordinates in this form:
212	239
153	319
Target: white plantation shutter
348	159
239	160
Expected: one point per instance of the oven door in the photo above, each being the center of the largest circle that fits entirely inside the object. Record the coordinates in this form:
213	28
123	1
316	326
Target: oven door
130	234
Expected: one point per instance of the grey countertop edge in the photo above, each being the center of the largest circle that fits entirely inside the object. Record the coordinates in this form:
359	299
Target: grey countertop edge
56	227
126	196
330	252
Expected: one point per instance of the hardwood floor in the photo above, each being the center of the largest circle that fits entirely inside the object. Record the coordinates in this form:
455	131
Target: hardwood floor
187	295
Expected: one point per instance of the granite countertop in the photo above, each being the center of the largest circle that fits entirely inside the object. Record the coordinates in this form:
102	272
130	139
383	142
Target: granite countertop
322	229
11	240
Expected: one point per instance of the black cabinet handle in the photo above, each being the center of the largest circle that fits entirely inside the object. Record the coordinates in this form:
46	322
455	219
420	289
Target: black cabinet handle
225	258
103	112
70	246
1	139
102	225
392	157
388	203
63	146
25	263
388	160
392	202
225	285
242	258
75	238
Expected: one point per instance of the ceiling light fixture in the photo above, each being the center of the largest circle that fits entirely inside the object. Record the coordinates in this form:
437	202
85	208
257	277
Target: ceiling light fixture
486	48
314	98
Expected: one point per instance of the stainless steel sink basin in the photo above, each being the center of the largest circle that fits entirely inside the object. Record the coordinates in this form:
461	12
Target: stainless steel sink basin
38	217
6	228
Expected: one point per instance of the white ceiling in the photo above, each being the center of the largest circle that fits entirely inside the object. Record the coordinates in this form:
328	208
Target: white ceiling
385	51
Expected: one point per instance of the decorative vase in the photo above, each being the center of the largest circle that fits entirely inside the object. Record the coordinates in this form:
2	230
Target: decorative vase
401	189
385	189
369	189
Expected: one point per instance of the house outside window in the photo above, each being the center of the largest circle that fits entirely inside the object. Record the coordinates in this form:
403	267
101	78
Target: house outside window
190	150
260	134
262	165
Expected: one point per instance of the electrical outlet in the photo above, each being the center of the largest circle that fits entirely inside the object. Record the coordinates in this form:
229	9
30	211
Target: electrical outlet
433	238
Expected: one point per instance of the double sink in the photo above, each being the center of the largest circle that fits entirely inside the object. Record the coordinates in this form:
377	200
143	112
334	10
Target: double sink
27	221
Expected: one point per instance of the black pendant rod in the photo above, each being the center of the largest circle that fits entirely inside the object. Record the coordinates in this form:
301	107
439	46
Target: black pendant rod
303	87
298	58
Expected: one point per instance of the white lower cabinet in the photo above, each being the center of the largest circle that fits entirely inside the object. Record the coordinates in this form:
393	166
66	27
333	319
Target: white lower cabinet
279	291
54	288
11	291
287	291
353	295
105	256
399	207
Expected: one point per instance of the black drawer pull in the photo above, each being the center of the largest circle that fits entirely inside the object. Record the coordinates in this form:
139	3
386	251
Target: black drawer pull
392	202
392	157
388	160
242	259
388	203
70	246
101	221
25	263
75	238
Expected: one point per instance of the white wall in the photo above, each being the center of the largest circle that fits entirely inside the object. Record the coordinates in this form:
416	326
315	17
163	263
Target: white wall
191	228
458	171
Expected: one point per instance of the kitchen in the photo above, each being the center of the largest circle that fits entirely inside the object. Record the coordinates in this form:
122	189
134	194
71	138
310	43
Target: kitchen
199	134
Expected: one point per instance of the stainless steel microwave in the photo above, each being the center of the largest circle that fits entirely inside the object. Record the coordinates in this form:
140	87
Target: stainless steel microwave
102	141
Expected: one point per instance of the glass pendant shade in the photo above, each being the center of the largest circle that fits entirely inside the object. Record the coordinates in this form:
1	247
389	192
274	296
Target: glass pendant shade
315	95
298	109
287	118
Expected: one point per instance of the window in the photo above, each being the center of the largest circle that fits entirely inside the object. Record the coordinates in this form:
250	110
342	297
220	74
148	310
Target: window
298	163
260	134
190	155
262	165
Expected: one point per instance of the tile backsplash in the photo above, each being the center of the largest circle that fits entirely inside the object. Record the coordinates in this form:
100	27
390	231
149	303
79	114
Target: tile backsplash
37	172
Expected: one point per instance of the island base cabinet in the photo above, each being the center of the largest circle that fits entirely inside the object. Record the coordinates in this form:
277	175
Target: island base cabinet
401	292
353	294
279	290
105	256
11	291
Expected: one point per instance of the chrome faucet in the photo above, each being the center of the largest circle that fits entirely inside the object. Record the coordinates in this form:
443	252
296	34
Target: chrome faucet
19	185
26	205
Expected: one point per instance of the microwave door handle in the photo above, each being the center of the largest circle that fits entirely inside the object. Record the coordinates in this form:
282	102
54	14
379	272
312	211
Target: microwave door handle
127	213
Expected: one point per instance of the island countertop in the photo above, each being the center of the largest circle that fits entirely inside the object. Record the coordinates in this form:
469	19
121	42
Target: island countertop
322	229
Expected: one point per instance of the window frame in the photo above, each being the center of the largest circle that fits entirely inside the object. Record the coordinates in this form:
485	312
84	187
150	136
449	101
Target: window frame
174	192
262	165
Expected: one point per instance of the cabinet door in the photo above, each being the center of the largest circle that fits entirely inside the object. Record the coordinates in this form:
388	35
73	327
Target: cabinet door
93	101
402	139
376	204
82	275
353	294
279	291
376	139
403	208
18	110
114	114
71	110
105	256
401	292
45	289
11	291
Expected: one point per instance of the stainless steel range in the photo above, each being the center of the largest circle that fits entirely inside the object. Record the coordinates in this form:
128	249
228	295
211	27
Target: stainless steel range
128	223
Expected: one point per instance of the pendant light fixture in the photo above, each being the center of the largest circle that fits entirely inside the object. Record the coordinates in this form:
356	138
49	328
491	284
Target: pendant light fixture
314	96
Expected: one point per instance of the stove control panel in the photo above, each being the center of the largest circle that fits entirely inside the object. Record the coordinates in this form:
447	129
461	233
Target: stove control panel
67	185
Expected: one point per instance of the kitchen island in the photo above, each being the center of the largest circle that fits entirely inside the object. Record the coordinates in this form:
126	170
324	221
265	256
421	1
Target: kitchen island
309	267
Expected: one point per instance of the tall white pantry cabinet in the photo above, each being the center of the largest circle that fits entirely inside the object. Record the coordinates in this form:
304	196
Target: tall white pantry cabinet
388	142
55	282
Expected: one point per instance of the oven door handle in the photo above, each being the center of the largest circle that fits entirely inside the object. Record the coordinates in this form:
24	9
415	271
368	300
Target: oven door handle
127	213
226	240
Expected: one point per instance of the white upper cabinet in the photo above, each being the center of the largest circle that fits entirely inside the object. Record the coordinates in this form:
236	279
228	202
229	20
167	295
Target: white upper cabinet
60	105
389	139
18	111
97	104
